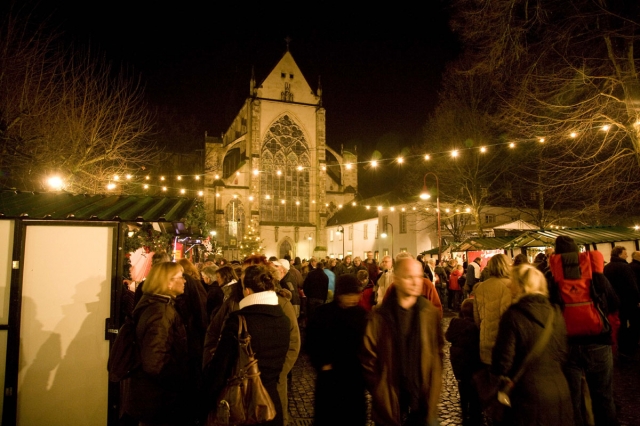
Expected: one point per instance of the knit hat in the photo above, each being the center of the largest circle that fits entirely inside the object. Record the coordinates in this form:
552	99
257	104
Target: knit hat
285	264
566	244
347	284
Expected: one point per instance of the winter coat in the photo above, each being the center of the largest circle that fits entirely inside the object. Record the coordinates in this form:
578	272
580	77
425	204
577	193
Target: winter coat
453	280
366	297
158	391
379	360
334	336
464	353
541	396
269	328
233	304
623	281
493	297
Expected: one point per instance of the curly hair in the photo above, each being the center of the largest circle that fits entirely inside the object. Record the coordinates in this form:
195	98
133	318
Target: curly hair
259	278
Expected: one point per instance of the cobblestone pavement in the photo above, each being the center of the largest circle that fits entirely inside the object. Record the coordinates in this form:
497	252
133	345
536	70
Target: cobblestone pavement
301	391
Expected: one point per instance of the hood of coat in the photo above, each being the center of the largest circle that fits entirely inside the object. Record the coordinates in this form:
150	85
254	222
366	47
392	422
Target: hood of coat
537	306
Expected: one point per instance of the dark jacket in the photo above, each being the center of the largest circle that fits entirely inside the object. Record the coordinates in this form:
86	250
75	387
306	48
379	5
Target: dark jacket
292	281
464	335
334	336
623	281
215	297
316	285
158	390
269	329
541	396
379	357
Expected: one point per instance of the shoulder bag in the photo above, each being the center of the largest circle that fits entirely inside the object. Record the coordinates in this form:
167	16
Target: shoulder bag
244	400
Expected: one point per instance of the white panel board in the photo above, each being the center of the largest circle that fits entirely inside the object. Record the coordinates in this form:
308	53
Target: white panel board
65	299
6	255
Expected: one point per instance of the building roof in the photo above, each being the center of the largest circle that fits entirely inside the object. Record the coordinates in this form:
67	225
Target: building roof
581	236
516	225
124	208
350	214
484	243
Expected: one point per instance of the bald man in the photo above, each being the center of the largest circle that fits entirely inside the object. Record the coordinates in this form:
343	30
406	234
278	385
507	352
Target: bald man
402	352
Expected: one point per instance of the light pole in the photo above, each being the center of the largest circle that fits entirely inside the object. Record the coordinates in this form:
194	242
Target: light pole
309	237
384	235
425	196
341	231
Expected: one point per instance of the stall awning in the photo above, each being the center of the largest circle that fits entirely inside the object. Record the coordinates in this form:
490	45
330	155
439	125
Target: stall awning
484	243
122	208
582	236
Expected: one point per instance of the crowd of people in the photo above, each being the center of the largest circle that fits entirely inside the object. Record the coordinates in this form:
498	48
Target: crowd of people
375	327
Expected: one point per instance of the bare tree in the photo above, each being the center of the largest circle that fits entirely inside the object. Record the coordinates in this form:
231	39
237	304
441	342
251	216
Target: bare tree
66	113
464	143
567	77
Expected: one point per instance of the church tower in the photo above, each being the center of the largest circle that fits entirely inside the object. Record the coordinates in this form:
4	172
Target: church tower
272	169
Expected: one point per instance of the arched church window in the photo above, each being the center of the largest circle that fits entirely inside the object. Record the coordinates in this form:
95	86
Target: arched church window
234	223
285	182
231	162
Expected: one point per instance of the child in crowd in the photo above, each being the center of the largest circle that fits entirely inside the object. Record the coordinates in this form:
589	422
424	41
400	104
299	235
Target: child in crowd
366	298
464	336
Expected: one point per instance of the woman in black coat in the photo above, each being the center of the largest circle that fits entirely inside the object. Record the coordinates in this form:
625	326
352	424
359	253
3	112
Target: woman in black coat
269	328
541	396
158	390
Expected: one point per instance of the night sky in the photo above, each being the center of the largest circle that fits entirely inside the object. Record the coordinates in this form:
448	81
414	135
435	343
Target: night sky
380	68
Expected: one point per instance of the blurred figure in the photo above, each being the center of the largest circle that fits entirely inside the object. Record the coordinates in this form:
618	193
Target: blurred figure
269	328
316	288
455	290
402	353
358	265
334	336
192	307
493	297
520	259
541	396
464	336
367	291
215	296
160	390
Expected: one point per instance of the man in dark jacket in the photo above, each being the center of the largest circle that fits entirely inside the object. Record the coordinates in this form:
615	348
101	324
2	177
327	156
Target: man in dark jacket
402	352
623	280
316	288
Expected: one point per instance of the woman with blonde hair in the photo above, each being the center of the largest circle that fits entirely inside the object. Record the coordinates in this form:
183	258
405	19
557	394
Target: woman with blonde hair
493	297
541	395
159	390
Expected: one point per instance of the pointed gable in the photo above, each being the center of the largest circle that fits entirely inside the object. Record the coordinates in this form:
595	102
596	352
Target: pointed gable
286	83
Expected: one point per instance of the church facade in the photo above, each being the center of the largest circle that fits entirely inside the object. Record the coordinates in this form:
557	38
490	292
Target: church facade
271	175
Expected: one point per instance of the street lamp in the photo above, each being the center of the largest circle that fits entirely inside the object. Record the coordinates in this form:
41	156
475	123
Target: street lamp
341	231
384	235
309	237
425	195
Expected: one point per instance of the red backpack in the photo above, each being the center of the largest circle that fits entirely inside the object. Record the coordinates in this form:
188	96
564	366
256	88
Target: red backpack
580	313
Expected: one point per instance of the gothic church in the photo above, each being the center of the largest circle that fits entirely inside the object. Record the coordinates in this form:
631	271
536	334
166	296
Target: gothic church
272	169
